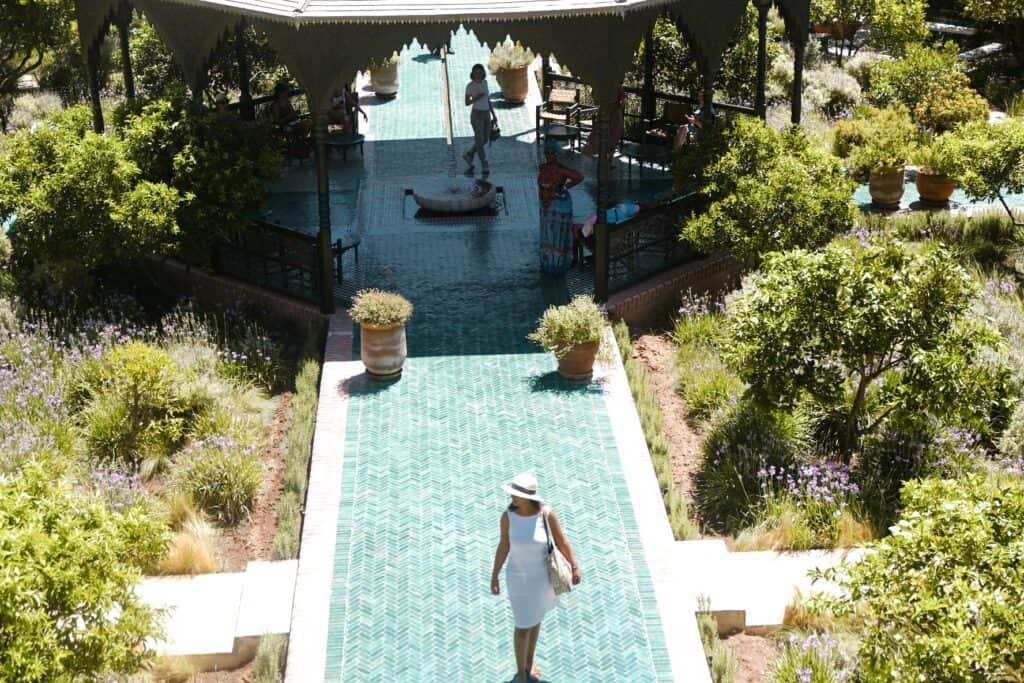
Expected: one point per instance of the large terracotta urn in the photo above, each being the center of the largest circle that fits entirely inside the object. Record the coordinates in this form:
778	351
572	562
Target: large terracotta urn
886	187
578	364
384	80
514	83
383	351
935	189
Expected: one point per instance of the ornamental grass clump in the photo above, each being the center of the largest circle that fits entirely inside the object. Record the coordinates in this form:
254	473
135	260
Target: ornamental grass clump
221	475
814	658
562	327
377	308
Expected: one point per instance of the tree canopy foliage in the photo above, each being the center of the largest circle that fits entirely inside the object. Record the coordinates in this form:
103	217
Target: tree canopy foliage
987	159
67	590
768	190
28	30
868	328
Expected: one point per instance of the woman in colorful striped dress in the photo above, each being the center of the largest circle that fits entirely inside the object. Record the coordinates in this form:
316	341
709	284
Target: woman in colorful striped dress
553	183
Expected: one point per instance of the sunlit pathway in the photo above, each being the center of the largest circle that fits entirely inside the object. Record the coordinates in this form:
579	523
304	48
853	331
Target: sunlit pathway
405	494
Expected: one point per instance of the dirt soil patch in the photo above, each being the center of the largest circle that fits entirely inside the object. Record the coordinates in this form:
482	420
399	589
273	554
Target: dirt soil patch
657	353
253	539
754	656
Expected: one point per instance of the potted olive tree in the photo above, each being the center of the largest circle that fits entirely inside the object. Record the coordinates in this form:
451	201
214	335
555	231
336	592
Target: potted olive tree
935	181
510	62
384	76
381	317
876	144
573	333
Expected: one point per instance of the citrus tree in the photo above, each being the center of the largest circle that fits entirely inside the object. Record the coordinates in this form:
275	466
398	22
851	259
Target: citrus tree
866	329
988	160
768	190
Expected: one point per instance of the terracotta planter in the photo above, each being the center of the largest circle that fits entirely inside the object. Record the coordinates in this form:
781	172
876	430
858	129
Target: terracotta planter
578	364
383	351
934	189
385	81
886	188
514	83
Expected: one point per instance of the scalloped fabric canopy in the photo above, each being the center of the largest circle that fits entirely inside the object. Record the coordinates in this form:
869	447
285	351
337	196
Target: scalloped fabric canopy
324	42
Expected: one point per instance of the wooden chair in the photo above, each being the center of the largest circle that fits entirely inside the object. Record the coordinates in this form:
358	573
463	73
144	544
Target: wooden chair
558	108
662	131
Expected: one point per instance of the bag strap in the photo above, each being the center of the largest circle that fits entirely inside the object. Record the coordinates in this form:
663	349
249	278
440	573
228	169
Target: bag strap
544	519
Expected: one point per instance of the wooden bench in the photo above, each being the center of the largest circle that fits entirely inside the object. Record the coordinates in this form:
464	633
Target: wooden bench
645	154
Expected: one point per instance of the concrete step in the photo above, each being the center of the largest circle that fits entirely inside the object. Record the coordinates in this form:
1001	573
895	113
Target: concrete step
217	620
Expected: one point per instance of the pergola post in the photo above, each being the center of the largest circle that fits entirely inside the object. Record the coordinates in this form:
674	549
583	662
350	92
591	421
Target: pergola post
648	102
796	104
545	77
760	104
601	237
709	96
245	106
123	21
323	242
92	63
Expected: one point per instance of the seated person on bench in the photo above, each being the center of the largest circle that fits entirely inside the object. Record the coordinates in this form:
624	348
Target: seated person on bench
687	134
285	115
344	108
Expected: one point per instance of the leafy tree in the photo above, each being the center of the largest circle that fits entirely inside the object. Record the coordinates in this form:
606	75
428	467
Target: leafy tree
676	69
908	80
866	329
158	75
67	589
28	30
768	190
987	160
874	139
897	25
953	614
221	165
1006	15
81	204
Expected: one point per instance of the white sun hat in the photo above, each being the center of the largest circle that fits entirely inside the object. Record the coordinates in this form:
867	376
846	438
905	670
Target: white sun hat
523	486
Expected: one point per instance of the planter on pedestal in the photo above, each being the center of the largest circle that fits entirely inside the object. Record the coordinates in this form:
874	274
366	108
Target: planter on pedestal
381	317
514	83
886	187
935	189
384	79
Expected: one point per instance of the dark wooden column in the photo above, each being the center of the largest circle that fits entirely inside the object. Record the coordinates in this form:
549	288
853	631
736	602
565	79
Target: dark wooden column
92	65
709	96
648	104
323	242
245	105
796	103
601	239
760	104
124	21
545	77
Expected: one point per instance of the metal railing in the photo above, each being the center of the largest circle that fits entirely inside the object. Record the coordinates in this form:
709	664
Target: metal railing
273	257
647	244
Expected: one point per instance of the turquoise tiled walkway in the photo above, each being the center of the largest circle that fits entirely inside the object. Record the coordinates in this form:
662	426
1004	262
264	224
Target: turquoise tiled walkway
424	457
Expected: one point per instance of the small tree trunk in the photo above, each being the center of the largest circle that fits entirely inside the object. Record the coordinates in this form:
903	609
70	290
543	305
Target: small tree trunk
850	437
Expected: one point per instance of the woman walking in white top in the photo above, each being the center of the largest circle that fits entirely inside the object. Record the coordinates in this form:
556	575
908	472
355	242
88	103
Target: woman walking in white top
524	541
480	117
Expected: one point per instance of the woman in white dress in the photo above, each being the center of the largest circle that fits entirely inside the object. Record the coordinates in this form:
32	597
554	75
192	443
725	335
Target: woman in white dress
524	542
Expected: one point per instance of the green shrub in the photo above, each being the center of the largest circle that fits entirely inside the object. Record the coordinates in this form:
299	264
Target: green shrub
814	658
221	475
831	90
704	381
986	158
940	597
562	327
986	238
907	80
1011	444
134	411
376	308
874	139
33	107
221	166
950	102
768	190
745	444
898	25
860	65
81	203
271	656
71	566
